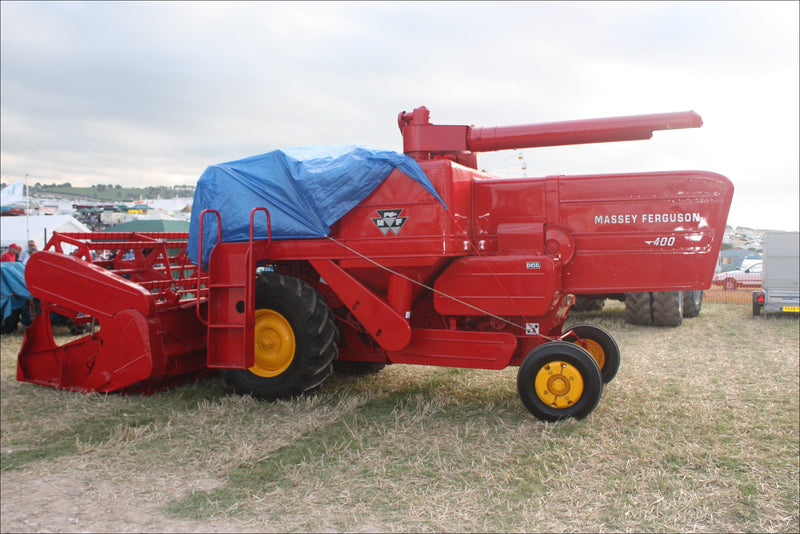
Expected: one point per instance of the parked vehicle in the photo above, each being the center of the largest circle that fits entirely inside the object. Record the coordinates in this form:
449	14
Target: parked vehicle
749	277
649	308
781	286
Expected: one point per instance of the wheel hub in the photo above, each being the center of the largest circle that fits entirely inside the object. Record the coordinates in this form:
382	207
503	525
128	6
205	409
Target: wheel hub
559	384
593	348
274	344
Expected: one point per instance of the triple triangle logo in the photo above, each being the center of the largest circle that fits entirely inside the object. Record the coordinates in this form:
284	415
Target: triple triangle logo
389	220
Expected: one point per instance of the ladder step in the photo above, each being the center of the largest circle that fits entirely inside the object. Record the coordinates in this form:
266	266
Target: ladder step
230	341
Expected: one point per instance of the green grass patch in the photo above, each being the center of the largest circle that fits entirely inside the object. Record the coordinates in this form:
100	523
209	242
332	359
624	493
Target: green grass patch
698	432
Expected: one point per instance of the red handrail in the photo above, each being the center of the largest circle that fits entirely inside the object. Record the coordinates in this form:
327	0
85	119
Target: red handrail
249	293
200	257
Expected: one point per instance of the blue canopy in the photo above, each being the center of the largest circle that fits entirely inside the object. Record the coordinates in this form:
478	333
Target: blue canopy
13	291
305	190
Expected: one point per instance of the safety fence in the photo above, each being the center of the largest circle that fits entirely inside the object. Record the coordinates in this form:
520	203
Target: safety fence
741	294
735	286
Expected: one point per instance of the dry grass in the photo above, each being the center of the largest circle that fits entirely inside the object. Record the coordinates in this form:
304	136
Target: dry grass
698	433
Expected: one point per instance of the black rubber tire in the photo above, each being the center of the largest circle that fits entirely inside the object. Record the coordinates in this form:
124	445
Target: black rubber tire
357	368
692	303
571	354
668	308
587	304
639	308
315	340
11	322
610	356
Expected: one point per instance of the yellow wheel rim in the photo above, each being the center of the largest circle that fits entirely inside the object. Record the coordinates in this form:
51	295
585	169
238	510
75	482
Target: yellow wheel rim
559	384
275	344
593	348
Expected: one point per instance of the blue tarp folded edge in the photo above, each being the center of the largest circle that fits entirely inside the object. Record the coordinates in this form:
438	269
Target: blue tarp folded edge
305	189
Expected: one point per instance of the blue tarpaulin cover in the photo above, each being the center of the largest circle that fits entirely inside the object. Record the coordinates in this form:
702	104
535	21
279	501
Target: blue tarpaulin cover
13	291
305	190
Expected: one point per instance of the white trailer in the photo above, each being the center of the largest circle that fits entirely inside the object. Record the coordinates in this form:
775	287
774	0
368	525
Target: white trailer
780	290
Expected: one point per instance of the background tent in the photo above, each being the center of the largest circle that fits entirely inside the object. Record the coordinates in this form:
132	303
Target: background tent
150	225
39	227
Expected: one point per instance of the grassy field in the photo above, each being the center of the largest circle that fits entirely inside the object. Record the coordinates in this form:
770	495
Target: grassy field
698	433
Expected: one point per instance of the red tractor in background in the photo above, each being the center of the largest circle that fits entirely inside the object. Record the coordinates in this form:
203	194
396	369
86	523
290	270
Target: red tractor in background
463	270
664	308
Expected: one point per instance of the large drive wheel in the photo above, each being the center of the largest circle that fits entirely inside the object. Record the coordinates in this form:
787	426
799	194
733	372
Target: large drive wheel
667	308
295	341
11	322
639	308
601	345
692	302
729	284
559	379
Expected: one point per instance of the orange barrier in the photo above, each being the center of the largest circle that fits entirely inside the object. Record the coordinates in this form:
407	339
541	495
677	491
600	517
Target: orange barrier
743	295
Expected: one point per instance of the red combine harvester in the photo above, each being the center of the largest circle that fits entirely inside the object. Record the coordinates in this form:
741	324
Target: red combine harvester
450	266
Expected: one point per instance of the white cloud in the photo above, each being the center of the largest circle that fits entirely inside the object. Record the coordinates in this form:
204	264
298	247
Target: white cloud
138	92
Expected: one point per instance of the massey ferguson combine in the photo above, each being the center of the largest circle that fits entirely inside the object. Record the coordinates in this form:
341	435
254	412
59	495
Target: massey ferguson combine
301	260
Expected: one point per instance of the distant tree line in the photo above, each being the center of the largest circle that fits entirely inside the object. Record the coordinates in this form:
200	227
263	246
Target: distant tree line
114	189
103	187
110	192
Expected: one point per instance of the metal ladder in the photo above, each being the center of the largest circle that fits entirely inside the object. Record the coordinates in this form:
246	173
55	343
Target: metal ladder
231	297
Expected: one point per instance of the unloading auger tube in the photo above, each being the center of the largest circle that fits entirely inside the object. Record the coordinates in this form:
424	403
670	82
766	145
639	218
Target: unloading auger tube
424	140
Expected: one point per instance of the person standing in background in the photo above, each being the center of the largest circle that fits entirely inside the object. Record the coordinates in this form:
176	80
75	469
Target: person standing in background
12	253
26	254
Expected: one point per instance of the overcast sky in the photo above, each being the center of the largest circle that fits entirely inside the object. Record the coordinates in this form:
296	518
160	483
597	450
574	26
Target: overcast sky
151	93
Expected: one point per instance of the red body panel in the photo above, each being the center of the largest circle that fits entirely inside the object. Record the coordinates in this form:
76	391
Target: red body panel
649	231
499	285
515	248
458	348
